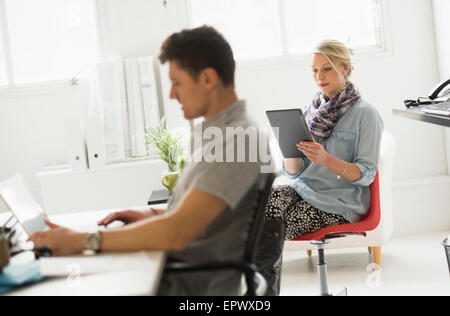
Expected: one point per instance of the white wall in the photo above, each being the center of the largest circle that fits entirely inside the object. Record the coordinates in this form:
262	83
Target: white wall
138	27
32	130
132	28
441	10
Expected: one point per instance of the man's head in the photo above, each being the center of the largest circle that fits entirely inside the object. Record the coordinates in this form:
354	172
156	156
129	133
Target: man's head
201	64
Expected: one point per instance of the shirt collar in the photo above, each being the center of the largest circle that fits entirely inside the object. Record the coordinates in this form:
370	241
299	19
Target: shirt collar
222	116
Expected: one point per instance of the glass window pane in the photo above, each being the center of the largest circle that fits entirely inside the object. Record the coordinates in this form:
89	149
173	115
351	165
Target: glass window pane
51	39
351	21
252	26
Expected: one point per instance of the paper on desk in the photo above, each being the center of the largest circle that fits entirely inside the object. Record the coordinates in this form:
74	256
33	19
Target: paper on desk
84	265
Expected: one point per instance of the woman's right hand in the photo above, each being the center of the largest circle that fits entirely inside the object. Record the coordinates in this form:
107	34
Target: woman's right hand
127	217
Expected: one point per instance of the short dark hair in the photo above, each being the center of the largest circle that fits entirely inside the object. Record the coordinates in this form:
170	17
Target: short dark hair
198	49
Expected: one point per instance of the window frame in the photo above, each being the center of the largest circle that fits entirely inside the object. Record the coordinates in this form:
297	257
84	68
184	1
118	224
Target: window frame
383	36
13	90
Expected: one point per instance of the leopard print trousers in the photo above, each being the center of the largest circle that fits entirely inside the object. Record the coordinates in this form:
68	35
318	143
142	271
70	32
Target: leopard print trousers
299	216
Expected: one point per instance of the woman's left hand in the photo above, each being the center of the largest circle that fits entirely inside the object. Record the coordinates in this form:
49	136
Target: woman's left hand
314	152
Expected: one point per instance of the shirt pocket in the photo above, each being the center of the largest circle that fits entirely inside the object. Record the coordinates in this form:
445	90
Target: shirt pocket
342	145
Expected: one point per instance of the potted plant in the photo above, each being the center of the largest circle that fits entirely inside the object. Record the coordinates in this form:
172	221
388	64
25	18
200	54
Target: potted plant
166	146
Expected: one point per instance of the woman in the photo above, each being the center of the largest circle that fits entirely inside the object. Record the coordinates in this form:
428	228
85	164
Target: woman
331	185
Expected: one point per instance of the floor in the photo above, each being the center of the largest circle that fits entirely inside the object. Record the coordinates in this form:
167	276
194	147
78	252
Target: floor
411	265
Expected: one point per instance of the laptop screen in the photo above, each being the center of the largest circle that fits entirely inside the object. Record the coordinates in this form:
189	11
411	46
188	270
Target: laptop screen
23	205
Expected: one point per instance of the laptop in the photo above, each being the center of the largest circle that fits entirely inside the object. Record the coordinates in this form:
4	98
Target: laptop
22	204
28	212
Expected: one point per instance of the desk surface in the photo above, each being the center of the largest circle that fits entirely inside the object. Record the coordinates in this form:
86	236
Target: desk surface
117	283
418	115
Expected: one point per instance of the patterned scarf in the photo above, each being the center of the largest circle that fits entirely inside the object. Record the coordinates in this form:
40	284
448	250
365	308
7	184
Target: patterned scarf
322	115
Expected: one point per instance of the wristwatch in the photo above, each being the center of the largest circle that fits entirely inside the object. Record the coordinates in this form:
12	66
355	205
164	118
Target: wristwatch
94	241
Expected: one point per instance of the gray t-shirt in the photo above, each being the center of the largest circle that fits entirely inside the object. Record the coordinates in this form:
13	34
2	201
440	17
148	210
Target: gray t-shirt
224	239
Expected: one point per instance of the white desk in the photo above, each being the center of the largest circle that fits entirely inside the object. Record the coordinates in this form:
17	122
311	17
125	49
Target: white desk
139	282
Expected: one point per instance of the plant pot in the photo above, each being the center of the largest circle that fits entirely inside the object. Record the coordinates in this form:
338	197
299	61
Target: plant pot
169	180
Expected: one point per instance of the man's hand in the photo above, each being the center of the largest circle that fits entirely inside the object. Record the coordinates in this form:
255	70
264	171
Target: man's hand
60	240
314	152
127	217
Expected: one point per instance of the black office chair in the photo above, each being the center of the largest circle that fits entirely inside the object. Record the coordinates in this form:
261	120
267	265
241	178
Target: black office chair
256	199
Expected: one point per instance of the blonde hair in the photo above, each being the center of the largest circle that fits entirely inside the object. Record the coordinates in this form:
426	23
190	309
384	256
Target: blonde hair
337	53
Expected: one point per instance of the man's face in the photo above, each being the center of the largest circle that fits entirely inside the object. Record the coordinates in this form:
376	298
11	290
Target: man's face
190	93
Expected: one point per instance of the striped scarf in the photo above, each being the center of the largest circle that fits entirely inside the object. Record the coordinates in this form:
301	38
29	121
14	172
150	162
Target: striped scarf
322	115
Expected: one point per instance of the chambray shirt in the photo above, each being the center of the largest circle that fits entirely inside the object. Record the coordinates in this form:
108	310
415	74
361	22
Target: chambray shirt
355	139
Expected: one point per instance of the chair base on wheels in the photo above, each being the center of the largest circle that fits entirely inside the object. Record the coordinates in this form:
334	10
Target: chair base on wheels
368	223
322	270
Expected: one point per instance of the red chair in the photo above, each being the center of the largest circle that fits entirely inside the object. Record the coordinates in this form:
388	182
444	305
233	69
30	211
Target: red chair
321	238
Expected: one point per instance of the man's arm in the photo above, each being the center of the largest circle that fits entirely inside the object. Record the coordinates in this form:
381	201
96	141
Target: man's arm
130	216
172	231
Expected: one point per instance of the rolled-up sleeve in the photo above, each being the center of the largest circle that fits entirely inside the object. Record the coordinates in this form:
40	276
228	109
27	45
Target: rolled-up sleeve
368	146
305	163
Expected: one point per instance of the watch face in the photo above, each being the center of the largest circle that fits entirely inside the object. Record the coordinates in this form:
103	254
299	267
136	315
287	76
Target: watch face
93	242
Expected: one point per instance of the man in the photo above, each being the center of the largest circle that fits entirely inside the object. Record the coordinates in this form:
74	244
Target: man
200	223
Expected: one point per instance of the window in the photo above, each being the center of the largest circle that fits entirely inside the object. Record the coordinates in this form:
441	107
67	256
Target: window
46	40
352	22
270	28
249	25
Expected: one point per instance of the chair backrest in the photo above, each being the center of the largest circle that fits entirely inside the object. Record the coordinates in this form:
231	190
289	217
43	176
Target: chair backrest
368	223
379	225
372	219
255	202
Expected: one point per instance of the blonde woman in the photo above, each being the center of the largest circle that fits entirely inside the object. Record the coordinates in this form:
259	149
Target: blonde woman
331	185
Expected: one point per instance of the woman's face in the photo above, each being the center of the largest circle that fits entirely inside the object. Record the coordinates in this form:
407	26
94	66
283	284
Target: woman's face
329	80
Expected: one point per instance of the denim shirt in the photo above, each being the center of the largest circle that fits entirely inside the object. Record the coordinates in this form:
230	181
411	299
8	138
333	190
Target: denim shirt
355	139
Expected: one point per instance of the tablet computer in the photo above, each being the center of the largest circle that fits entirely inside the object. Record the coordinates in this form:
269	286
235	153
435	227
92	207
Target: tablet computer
292	129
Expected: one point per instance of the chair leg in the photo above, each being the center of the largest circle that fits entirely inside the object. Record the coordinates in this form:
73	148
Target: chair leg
322	269
377	255
309	252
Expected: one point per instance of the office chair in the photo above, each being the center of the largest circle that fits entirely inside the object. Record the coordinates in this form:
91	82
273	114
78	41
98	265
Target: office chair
323	237
255	199
379	237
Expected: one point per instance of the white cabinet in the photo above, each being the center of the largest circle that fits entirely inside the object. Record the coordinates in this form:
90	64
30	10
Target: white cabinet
120	185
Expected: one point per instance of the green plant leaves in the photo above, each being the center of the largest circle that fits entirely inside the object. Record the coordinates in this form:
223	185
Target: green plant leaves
166	146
